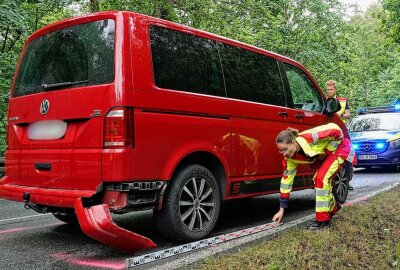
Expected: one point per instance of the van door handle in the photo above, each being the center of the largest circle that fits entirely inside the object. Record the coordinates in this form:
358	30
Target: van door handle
299	116
43	166
283	114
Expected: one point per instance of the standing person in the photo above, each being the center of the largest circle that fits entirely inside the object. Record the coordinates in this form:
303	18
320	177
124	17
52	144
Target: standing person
327	148
344	112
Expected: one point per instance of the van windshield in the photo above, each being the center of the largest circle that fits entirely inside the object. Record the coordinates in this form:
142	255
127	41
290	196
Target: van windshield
76	56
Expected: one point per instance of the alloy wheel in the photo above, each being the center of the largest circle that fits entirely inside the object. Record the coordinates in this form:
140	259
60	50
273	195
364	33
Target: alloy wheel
196	204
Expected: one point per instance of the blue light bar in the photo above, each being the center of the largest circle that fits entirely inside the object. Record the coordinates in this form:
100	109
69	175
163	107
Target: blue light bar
356	146
380	145
362	111
381	109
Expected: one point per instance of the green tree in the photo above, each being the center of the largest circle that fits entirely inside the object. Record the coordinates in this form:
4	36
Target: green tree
13	27
361	52
19	19
158	8
372	58
392	21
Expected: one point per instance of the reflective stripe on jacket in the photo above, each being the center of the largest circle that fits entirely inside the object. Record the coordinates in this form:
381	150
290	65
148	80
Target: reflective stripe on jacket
343	103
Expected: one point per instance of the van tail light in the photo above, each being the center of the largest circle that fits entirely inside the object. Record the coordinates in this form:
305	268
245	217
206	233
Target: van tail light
118	128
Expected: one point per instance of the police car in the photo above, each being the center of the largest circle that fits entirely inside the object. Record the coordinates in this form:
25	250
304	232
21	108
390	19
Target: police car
375	135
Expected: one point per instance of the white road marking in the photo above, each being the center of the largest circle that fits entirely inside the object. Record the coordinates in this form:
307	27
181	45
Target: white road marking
18	218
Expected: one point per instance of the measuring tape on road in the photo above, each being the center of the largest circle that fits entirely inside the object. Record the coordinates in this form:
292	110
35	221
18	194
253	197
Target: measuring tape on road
209	242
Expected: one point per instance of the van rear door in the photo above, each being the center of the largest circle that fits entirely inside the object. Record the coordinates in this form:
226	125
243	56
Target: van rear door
61	86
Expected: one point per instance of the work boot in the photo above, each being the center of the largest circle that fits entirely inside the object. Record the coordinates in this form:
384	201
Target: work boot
316	225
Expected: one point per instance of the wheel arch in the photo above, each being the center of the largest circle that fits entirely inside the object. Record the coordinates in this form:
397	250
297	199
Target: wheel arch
209	161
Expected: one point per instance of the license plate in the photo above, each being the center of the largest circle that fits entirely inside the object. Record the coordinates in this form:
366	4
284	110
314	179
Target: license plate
367	157
47	130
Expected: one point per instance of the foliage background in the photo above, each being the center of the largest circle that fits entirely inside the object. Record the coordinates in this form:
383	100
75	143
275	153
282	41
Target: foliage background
360	51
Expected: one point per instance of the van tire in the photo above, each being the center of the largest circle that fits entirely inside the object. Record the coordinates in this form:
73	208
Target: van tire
69	218
185	215
340	187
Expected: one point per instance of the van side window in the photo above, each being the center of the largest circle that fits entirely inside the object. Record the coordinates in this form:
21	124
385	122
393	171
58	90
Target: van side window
305	95
251	76
185	62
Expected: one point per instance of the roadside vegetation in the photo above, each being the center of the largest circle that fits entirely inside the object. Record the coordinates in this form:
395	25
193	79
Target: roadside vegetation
364	236
360	50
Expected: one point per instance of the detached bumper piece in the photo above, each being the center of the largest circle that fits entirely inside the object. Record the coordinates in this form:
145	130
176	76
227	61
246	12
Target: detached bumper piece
96	222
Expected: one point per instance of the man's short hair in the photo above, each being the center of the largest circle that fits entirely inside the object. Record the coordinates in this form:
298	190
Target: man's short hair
330	83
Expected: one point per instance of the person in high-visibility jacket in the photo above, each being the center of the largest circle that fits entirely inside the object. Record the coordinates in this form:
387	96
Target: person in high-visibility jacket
344	112
324	146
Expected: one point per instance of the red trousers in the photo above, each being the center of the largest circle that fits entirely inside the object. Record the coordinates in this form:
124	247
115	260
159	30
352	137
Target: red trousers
325	204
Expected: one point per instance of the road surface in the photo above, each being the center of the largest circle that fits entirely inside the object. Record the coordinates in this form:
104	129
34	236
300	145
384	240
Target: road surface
29	240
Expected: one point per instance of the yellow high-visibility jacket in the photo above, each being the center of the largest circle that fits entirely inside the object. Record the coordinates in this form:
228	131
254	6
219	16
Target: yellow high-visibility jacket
326	139
343	104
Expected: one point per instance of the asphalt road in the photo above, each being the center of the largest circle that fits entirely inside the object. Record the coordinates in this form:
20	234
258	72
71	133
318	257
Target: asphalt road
39	241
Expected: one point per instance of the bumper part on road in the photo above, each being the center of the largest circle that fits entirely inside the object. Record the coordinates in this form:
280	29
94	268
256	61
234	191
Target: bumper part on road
96	222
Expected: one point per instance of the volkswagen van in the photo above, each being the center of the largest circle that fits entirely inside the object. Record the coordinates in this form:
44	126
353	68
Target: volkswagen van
116	112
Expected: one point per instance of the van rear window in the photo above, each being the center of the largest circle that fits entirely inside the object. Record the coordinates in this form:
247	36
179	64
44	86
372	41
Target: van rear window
76	56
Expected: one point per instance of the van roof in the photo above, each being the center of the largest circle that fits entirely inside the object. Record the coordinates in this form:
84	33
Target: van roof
120	15
112	14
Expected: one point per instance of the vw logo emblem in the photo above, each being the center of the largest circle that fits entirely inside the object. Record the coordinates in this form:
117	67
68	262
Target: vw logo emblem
367	147
44	106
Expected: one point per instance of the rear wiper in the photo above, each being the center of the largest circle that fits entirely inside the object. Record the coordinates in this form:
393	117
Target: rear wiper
62	84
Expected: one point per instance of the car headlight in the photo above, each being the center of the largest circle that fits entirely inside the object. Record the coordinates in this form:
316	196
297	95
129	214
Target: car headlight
355	146
394	144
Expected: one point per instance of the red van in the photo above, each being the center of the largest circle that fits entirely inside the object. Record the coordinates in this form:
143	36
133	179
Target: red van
121	112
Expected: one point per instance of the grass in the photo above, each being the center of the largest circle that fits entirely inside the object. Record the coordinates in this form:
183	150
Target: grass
364	236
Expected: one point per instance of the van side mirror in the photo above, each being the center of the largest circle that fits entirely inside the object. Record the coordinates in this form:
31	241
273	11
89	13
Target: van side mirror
332	106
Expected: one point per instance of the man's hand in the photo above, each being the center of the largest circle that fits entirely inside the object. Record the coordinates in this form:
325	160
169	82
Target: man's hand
278	216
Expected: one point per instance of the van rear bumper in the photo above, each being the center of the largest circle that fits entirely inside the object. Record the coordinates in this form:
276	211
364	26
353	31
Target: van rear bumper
43	196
